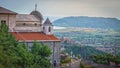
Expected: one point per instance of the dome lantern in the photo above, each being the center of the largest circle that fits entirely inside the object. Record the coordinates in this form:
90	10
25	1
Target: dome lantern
37	14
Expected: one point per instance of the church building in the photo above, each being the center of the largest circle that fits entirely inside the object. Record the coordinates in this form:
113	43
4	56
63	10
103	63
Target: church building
29	28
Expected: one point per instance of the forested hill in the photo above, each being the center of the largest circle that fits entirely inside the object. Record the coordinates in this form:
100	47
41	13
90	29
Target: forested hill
88	22
84	51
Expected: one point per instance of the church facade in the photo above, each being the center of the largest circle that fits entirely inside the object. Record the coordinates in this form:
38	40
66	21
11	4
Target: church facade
29	28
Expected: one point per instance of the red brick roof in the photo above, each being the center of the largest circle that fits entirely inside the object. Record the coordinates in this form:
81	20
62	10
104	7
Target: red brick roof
32	36
6	11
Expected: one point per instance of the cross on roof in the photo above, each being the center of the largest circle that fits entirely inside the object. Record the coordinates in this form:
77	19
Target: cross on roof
35	7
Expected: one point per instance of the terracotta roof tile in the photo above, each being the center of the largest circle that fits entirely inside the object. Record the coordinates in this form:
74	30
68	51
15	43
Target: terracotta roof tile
32	36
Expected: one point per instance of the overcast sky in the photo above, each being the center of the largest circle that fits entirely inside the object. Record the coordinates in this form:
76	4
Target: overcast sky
63	8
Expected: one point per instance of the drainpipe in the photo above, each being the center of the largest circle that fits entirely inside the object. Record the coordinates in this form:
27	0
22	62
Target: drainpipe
53	54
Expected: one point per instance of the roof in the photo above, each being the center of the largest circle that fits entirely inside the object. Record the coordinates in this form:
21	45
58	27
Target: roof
26	17
37	14
47	22
32	36
6	11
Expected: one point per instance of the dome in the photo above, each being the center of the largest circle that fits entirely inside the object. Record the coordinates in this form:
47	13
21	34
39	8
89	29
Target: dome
37	14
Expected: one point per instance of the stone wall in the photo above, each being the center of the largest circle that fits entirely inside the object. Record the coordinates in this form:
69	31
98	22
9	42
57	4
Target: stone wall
55	47
10	20
75	64
46	29
28	29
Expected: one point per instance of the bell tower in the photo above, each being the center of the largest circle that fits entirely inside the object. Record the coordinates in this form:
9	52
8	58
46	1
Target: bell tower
47	27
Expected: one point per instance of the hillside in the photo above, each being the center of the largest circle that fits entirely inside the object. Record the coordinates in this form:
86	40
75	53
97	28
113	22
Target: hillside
84	51
88	22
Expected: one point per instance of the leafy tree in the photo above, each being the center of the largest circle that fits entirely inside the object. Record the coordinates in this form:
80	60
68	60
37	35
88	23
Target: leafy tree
41	54
6	38
7	46
106	58
16	55
100	58
117	59
25	58
84	51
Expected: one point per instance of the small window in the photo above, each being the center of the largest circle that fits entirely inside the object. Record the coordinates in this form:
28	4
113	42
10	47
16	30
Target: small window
24	24
3	21
43	28
35	24
49	29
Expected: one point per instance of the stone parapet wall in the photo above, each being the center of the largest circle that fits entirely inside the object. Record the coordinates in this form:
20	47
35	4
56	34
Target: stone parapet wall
75	64
28	29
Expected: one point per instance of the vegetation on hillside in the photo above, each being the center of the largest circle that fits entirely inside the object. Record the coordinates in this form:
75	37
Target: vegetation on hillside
85	51
106	58
108	39
91	54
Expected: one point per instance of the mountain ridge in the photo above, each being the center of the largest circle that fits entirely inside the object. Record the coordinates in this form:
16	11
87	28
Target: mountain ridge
88	22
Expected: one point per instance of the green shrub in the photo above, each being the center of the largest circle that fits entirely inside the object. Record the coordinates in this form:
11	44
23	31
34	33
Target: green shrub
67	60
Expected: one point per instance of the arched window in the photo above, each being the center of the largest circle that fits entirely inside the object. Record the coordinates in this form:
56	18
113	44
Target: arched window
49	29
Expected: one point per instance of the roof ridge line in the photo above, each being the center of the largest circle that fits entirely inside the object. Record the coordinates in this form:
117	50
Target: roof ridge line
19	34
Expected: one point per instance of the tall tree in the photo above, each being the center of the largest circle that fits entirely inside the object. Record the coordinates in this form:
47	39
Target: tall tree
41	54
7	46
16	55
6	38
